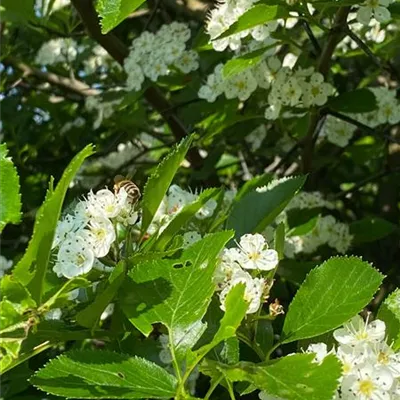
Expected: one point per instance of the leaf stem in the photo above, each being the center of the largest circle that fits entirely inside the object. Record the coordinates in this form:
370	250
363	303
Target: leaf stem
213	387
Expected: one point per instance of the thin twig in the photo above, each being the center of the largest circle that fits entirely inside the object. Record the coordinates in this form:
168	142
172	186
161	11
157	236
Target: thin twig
311	36
152	14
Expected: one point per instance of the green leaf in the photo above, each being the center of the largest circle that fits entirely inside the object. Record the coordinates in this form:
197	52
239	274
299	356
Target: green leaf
180	219
331	294
158	183
295	377
17	294
90	316
10	198
257	210
370	229
113	12
257	15
252	184
104	375
31	269
237	65
175	292
357	101
236	307
305	228
389	312
17	11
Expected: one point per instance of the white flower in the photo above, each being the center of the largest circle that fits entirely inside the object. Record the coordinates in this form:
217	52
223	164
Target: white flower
53	315
188	61
383	356
273	111
135	75
376	8
254	253
57	51
190	238
291	92
337	131
108	311
101	235
253	291
368	383
320	350
316	91
105	203
241	85
357	332
228	266
74	258
178	198
4	265
207	210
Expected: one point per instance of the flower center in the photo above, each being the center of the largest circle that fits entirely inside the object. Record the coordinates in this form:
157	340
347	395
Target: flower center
80	259
366	387
315	90
254	256
362	335
383	358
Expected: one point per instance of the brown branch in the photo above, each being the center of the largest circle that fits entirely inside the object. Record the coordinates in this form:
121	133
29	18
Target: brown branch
72	85
117	49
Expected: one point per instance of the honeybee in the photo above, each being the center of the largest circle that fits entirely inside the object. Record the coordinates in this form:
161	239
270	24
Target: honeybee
131	189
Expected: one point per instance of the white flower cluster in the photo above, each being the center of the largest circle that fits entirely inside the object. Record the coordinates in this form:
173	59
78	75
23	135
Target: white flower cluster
337	131
104	109
240	85
4	265
76	123
302	88
377	9
253	254
304	200
373	32
87	234
61	50
328	231
98	59
173	203
387	112
47	7
153	54
371	369
221	18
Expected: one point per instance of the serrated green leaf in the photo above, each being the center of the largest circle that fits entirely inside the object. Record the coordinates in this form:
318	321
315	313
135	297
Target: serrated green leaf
10	198
357	101
370	229
175	292
104	375
158	183
331	294
257	15
257	210
90	315
180	219
113	12
252	184
294	377
16	293
31	269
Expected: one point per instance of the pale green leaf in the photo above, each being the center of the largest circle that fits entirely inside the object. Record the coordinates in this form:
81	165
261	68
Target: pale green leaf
104	375
175	292
331	294
389	312
159	182
31	269
257	15
257	210
10	198
113	12
294	377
